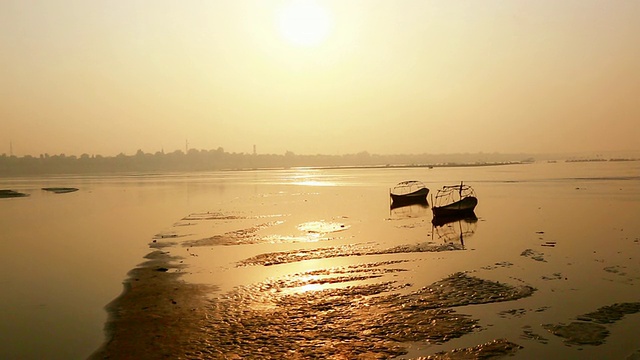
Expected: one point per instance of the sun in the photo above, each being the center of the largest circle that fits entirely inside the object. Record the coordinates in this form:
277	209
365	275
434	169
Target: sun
304	23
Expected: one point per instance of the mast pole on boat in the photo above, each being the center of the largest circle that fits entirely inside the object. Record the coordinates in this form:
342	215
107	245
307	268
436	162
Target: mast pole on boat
461	237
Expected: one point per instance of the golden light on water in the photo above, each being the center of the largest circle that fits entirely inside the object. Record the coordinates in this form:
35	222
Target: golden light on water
310	287
310	177
315	183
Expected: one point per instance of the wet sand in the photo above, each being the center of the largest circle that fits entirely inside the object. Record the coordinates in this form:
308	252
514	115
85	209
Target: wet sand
331	272
156	315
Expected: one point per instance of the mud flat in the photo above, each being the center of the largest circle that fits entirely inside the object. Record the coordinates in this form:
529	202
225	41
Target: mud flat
156	315
160	316
544	271
591	329
352	311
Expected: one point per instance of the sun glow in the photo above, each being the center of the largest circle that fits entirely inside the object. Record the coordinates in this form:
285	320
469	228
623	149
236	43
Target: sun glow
304	23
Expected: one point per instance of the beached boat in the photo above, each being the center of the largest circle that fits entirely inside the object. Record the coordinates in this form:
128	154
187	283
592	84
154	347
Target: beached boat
408	192
5	193
60	190
454	201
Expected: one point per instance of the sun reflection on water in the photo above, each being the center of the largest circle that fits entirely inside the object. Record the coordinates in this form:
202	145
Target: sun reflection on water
309	287
315	183
311	177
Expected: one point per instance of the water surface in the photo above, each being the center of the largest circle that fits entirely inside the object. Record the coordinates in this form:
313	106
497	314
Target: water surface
569	230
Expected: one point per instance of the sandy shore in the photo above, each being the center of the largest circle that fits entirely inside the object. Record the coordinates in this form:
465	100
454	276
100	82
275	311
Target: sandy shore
156	315
160	316
332	273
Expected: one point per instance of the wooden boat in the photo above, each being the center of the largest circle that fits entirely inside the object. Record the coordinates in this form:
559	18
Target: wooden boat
5	193
454	201
409	192
60	190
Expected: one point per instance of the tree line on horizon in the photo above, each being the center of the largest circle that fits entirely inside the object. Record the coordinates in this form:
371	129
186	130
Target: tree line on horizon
218	159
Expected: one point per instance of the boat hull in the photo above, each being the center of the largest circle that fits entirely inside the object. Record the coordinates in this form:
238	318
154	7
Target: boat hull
11	194
60	190
456	209
422	193
416	197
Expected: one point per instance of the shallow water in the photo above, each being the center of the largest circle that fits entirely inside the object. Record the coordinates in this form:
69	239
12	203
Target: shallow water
569	230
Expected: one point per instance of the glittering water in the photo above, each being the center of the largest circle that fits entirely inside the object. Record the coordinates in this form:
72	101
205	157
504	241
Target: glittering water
313	249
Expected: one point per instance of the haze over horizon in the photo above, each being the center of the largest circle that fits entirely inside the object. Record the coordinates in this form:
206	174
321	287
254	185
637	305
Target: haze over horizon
319	77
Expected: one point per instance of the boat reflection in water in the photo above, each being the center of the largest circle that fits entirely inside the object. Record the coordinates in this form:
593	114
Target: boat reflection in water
454	229
409	210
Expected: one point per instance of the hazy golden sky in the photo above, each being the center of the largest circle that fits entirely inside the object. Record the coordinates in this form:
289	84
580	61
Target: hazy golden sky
103	77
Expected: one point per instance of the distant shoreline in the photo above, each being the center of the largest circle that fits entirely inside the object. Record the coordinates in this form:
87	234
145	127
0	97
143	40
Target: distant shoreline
160	172
328	167
399	166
